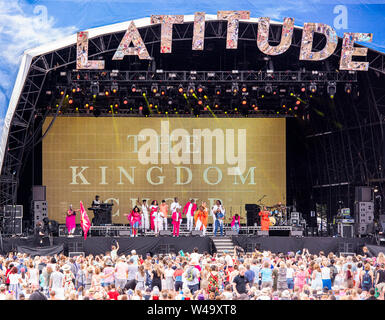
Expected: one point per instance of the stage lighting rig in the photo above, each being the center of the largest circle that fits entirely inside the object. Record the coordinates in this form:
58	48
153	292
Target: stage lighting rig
331	89
244	88
114	87
94	88
348	88
313	87
234	88
180	88
200	89
154	88
191	88
268	88
218	90
163	91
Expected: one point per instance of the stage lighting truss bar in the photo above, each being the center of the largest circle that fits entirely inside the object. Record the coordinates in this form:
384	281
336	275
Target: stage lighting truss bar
81	76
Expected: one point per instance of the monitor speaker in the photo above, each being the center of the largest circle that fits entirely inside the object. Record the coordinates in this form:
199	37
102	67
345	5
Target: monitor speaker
164	232
363	194
196	232
39	193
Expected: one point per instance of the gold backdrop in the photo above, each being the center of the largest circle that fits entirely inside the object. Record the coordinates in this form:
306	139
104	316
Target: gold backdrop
121	159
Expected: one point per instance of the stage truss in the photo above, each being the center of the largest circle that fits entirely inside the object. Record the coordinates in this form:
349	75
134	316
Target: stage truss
359	150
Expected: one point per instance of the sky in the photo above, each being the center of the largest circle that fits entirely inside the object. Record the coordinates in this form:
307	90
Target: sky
25	24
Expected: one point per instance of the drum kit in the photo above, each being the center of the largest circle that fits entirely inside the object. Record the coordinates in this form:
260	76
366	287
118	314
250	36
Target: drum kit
278	214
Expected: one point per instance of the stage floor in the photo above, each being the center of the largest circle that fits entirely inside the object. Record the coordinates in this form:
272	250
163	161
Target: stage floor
167	244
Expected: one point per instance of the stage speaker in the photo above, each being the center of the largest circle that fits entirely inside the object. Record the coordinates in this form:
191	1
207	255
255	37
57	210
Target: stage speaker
13	226
252	211
363	194
75	246
40	211
165	233
13	211
345	247
231	233
39	193
296	233
196	232
262	233
124	233
251	207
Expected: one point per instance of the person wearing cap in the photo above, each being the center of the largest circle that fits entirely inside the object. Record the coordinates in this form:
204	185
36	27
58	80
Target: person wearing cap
108	274
121	273
68	278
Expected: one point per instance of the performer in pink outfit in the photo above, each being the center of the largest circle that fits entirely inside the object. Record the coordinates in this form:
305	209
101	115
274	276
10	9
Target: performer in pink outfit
176	219
134	218
71	221
153	211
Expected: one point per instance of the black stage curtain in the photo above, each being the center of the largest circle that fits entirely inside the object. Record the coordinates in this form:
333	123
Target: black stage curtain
41	251
294	244
375	250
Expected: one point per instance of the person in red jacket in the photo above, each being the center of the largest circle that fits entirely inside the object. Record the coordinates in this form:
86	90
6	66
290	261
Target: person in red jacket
189	210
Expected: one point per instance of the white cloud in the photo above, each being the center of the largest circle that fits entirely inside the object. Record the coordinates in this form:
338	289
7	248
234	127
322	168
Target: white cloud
20	31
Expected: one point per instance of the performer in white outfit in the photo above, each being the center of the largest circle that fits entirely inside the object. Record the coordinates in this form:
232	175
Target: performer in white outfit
189	210
175	207
158	221
145	220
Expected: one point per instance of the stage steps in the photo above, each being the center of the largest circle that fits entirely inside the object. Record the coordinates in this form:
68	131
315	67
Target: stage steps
223	243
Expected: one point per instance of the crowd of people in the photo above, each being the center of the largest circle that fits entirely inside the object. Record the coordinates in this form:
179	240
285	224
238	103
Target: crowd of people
193	276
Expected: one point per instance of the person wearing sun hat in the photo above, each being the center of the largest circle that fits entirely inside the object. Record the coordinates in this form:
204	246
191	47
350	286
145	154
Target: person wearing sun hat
191	275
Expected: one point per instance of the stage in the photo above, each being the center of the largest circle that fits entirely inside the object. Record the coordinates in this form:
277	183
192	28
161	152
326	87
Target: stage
167	244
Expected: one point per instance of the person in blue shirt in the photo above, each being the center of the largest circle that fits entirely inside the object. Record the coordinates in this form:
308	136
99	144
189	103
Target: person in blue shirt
249	274
266	276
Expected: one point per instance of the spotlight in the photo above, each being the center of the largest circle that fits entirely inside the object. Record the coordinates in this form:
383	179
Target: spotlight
298	102
162	91
133	88
313	87
303	88
348	88
154	88
114	87
217	90
244	88
244	101
106	92
268	88
125	101
235	88
200	102
200	89
180	89
70	100
331	89
94	88
191	88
